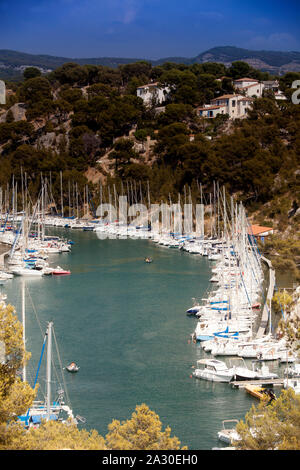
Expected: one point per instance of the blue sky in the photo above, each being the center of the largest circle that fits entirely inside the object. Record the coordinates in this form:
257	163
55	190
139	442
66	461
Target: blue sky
146	28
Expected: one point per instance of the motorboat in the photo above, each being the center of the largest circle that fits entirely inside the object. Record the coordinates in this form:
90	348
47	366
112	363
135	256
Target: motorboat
240	371
213	370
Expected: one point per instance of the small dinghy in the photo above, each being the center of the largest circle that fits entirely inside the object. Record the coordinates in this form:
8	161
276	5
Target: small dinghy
148	260
58	271
73	367
229	434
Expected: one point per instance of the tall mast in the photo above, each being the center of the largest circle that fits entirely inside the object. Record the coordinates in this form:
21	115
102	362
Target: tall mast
69	190
13	197
73	198
22	187
77	211
218	209
48	379
23	322
149	200
224	210
61	196
101	198
211	216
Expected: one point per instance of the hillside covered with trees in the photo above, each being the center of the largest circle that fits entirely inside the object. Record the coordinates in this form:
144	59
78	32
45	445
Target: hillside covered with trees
87	123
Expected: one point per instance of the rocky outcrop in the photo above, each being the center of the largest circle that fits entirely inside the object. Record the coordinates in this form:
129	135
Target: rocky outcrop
18	110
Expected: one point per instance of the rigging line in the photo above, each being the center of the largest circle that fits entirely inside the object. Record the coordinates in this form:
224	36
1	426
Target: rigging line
42	333
35	312
39	323
53	365
37	372
60	363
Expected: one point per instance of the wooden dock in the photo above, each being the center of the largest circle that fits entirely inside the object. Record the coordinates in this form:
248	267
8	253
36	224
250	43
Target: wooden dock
243	383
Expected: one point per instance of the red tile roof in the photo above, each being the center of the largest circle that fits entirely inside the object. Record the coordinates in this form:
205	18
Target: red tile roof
245	80
149	84
257	229
223	97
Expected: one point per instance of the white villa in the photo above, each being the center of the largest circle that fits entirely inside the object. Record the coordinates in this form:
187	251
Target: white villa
273	85
211	111
249	86
152	93
234	105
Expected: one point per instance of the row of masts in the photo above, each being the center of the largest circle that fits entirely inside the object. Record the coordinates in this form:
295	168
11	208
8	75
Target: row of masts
211	211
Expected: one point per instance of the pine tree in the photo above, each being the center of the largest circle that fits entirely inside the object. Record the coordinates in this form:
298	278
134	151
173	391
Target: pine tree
142	432
272	427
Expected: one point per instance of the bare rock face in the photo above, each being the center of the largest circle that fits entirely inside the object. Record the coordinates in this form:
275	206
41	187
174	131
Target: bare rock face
18	110
50	140
46	140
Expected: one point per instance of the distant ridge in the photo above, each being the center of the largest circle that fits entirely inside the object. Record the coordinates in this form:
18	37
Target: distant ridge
12	63
275	62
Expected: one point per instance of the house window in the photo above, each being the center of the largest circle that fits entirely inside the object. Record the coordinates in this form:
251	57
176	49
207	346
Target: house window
233	103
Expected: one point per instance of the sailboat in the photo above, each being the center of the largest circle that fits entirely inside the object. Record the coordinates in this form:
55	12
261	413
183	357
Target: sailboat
48	410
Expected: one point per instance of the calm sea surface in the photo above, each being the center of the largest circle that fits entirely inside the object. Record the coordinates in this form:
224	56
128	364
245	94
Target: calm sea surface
123	321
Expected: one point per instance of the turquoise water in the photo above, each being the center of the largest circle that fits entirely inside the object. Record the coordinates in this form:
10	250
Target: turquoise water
123	321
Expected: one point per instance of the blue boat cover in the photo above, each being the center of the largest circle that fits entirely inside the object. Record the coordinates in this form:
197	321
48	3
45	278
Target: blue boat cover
36	419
